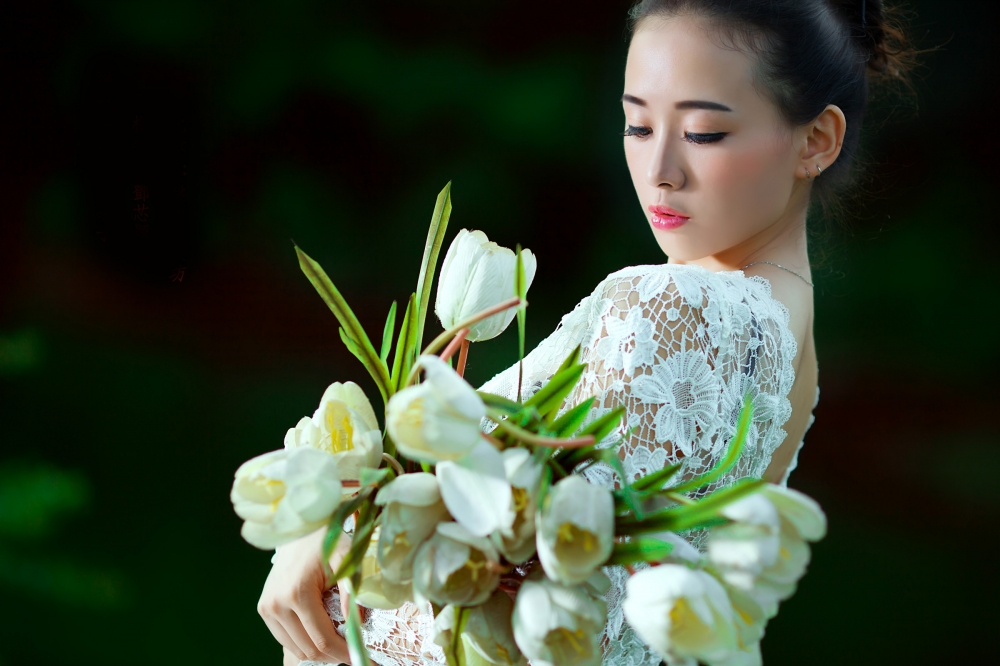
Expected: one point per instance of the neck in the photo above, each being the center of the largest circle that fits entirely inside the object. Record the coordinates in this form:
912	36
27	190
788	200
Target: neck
784	242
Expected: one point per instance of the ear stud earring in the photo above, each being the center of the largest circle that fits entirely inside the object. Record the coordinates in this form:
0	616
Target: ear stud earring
808	175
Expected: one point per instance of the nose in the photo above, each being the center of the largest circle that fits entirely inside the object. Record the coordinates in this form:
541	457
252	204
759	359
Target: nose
664	168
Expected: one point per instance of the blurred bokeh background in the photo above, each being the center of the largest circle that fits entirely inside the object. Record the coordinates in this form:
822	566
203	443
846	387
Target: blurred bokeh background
155	330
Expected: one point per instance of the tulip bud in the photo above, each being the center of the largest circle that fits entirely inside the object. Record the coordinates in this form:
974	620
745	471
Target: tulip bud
683	614
476	491
558	625
413	508
801	520
764	551
285	494
438	419
376	590
487	637
475	275
456	567
743	549
344	426
523	474
576	530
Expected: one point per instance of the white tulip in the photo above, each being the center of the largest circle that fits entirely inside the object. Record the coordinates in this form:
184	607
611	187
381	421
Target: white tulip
576	530
376	591
477	274
558	625
413	508
345	426
764	552
476	491
682	613
285	494
749	621
801	511
744	549
438	419
523	473
456	567
802	520
487	637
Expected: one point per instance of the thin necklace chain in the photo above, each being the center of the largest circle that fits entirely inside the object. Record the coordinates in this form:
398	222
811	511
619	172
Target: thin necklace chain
782	267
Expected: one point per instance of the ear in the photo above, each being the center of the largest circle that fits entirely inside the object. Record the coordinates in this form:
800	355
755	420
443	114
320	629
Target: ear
821	141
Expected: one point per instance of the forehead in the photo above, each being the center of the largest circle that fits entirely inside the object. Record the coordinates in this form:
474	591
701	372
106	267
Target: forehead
681	58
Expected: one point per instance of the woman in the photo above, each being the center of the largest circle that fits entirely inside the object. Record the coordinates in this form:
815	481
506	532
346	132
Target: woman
739	113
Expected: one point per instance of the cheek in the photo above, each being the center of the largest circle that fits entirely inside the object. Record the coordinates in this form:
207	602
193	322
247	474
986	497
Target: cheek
754	179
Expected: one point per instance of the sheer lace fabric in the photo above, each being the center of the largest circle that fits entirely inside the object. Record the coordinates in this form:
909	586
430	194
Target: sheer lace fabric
678	346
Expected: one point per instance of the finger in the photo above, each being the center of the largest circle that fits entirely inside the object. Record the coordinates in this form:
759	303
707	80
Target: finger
279	633
344	605
289	659
315	621
304	644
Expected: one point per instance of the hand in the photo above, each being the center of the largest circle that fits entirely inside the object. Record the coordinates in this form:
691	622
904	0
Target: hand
291	603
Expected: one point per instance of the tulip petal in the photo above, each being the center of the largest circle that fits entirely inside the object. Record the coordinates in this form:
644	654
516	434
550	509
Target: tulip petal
800	509
476	491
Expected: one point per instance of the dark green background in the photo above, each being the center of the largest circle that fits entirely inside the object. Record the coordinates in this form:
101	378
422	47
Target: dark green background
139	366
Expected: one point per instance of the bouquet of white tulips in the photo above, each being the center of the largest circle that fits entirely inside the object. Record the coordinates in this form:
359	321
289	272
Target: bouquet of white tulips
476	503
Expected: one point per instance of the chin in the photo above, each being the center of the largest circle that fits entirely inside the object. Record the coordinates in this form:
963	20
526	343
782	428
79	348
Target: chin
675	246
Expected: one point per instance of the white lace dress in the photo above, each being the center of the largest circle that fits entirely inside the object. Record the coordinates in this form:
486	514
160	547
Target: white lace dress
678	346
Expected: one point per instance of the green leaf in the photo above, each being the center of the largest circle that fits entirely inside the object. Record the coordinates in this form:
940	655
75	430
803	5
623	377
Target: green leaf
359	547
351	345
626	492
655	480
390	327
544	486
355	639
571	360
602	427
500	403
568	423
550	397
428	265
372	477
521	290
335	526
642	549
700	514
732	453
335	301
403	359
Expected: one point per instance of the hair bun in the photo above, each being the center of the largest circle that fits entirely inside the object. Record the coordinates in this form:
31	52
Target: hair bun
879	36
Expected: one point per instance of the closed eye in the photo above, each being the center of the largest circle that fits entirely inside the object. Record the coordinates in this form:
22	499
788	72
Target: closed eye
631	130
704	138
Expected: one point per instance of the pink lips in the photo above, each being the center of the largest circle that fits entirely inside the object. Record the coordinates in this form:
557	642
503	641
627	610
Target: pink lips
664	217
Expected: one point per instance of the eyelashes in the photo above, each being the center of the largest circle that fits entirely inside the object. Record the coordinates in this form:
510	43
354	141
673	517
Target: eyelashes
691	137
704	138
631	130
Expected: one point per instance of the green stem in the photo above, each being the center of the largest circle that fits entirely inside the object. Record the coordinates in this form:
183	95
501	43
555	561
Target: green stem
393	463
538	440
680	499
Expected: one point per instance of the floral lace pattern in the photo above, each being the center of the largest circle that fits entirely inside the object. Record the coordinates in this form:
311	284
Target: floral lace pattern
678	346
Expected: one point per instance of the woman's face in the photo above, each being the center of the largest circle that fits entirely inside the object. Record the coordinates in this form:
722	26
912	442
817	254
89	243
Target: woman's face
712	161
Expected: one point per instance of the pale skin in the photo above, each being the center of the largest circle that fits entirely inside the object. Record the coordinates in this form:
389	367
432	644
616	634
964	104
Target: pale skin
746	195
739	174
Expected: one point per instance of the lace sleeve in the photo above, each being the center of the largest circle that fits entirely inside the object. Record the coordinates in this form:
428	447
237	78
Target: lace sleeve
678	347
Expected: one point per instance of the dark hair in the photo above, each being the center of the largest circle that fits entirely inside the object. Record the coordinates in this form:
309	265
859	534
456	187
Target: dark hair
810	53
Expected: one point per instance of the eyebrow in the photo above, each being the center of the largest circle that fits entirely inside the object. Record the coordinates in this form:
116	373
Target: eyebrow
680	106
